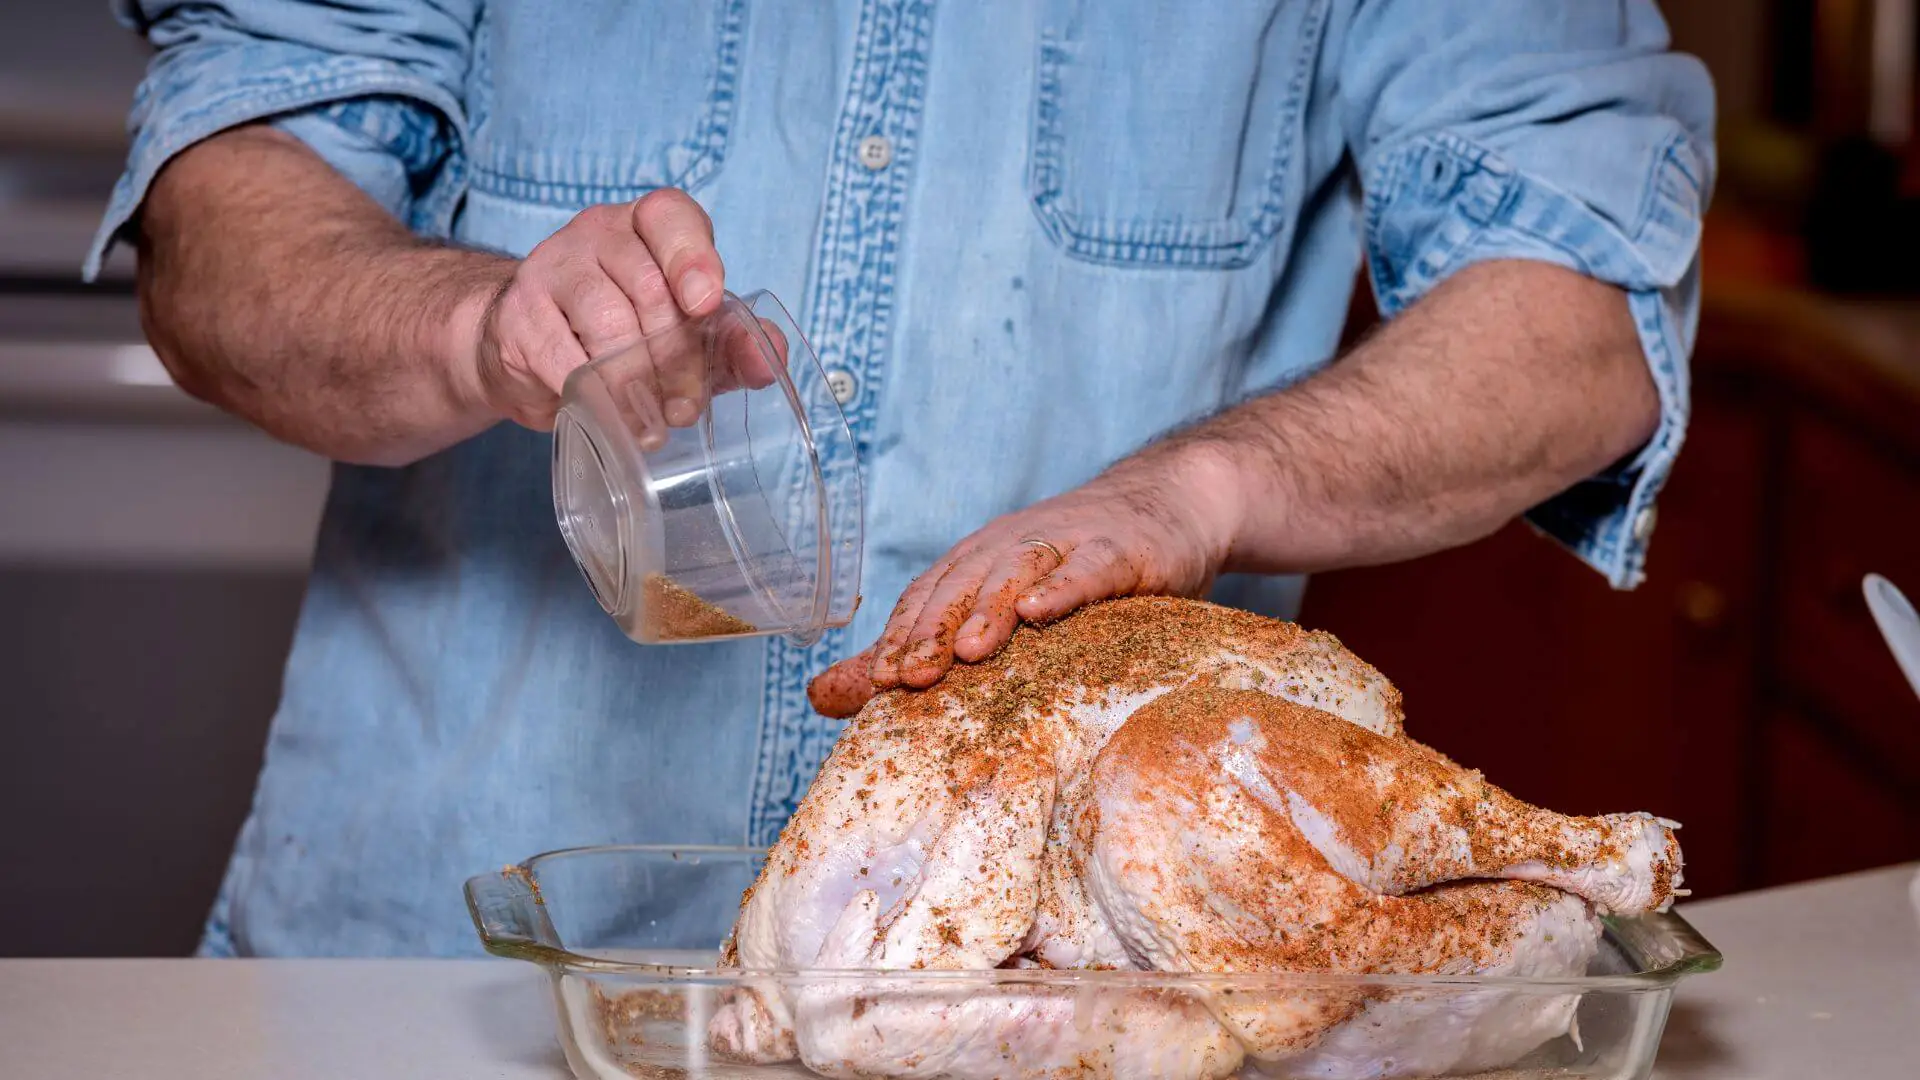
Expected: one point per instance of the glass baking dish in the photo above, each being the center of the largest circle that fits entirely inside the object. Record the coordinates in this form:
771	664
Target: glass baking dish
630	936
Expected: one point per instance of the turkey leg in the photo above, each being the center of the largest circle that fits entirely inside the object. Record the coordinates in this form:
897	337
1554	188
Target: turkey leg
1394	816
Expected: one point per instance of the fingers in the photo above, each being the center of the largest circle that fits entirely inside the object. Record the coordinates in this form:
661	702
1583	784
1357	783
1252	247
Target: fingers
632	268
740	362
965	612
969	605
534	337
614	277
679	235
1096	570
673	272
660	276
678	360
602	315
929	644
891	649
751	368
1106	539
843	689
995	614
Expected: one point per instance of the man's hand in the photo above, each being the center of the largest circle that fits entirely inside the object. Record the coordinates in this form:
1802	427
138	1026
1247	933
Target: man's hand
1508	383
274	288
611	276
1160	522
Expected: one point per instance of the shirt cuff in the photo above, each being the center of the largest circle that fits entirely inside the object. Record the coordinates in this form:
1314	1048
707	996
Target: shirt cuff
1442	203
381	122
397	150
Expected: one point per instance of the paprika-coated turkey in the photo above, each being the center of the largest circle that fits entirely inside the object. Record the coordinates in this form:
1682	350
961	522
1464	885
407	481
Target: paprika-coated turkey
1166	785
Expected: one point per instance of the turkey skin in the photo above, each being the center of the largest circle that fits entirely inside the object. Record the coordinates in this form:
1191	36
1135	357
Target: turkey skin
1170	786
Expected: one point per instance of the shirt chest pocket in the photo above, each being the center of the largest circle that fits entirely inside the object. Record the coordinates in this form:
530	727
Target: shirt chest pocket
1164	133
573	105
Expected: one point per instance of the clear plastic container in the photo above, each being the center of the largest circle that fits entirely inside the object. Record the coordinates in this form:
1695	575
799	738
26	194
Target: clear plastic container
707	484
630	937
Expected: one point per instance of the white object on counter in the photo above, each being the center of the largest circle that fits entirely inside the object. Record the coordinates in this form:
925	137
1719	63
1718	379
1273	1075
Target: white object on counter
1821	980
1898	623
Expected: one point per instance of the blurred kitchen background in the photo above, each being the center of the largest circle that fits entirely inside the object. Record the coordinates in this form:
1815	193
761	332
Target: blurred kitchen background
152	552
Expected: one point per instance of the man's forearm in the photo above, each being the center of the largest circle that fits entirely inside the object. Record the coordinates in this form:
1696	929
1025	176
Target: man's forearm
273	287
1504	386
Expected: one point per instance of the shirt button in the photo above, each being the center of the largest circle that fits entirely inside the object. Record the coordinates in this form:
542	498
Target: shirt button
841	383
1643	524
876	152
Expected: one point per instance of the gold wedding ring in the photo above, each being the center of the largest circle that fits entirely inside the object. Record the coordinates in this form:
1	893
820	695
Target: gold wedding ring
1034	541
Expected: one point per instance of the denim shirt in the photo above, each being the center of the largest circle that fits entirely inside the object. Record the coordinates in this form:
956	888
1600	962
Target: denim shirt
1028	234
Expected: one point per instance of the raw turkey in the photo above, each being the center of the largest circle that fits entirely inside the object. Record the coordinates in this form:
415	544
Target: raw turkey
1166	785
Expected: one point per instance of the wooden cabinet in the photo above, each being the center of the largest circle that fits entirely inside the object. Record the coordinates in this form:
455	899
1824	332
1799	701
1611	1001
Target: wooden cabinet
1743	688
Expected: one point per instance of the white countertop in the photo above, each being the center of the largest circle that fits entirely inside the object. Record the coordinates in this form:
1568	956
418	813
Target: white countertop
1821	980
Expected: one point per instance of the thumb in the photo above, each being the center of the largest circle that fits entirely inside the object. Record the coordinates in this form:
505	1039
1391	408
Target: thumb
840	691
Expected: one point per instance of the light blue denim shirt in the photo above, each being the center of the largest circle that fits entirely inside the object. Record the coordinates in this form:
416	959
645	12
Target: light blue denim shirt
1031	233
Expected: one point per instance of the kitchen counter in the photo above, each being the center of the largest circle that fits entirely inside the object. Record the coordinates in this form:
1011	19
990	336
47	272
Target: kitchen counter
1822	980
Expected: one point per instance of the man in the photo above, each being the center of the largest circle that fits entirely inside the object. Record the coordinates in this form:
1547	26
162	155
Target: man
1025	238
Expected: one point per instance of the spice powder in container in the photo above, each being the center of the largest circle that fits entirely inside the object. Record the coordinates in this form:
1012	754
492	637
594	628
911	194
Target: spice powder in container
676	613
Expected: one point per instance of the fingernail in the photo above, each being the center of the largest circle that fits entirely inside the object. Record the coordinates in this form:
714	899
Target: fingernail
696	287
681	412
973	628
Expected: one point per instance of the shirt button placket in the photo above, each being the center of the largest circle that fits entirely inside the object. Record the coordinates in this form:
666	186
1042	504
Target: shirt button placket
843	385
876	152
1643	523
849	321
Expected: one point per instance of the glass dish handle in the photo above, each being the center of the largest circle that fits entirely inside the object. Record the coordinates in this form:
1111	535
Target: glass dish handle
1663	943
509	914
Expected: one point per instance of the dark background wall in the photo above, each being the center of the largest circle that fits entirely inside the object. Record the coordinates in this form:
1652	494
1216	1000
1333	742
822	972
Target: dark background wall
136	705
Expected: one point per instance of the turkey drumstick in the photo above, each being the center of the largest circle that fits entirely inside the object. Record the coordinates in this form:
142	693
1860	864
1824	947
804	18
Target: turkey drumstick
1389	814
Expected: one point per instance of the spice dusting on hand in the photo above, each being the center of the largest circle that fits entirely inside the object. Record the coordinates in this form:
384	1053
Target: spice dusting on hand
675	613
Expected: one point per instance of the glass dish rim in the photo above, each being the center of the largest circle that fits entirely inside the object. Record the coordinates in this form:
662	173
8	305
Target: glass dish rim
517	884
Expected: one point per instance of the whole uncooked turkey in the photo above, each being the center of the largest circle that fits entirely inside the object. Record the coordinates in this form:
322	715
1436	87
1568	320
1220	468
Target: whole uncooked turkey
1168	785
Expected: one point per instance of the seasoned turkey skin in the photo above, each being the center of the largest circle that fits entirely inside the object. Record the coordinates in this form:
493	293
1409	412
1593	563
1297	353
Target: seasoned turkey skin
1167	785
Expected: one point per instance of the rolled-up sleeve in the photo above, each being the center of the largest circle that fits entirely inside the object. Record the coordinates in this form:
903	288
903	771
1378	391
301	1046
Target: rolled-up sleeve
374	86
1563	132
